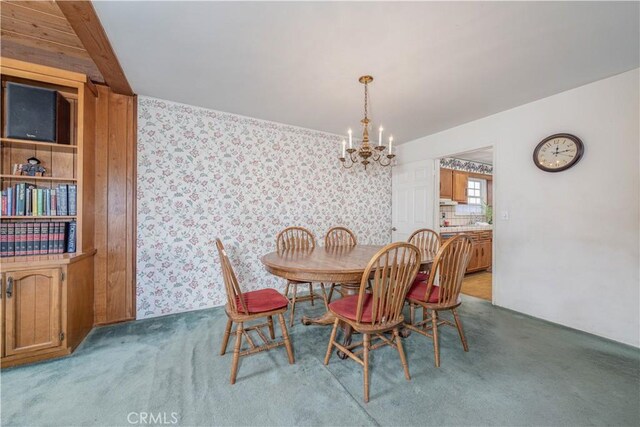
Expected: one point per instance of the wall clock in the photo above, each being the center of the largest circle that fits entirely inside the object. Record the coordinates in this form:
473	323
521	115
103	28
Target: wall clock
558	152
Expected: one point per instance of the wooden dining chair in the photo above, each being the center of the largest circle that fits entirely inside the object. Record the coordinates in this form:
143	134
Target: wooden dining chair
244	307
296	238
379	311
428	241
448	267
335	237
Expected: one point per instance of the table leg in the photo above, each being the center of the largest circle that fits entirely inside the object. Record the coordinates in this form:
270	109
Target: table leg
346	341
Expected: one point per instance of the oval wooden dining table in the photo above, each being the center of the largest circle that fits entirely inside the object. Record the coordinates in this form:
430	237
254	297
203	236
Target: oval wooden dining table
339	264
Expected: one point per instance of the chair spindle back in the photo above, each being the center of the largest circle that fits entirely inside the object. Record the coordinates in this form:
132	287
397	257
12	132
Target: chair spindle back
340	236
234	294
391	272
295	238
427	240
450	265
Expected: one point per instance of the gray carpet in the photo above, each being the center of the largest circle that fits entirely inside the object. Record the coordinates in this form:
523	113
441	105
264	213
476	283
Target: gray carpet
519	371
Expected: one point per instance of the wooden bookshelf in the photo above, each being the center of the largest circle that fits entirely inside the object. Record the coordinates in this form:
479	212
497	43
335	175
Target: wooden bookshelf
9	142
47	299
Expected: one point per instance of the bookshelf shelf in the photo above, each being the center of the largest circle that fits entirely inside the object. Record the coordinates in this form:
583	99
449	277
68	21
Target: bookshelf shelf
36	178
32	217
25	143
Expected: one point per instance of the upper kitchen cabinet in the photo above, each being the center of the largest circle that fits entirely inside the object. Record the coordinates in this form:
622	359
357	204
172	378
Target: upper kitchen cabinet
459	186
446	183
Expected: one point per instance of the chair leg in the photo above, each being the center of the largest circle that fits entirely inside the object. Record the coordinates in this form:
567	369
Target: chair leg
436	344
225	338
424	313
412	314
236	352
365	356
272	333
311	293
285	336
334	331
403	358
293	302
460	330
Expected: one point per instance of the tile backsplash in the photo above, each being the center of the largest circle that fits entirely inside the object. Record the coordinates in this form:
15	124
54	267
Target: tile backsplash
449	214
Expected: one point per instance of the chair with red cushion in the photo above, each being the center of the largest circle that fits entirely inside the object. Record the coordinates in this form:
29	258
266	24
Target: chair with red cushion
391	272
449	266
337	237
428	241
247	306
296	238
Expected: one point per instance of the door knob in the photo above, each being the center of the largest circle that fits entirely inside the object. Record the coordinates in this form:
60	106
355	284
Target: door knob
394	229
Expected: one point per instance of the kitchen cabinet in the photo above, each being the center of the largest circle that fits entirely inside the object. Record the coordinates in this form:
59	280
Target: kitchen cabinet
32	312
459	180
481	249
446	183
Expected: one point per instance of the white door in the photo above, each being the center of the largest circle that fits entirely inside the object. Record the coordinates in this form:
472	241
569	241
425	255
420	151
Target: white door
413	199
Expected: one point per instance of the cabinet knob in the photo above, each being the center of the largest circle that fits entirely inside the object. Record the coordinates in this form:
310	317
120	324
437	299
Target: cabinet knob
9	286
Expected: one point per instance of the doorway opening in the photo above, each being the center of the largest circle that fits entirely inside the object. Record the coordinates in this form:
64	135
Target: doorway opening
467	183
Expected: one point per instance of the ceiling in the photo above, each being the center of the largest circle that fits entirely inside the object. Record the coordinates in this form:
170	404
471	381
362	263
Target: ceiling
38	32
483	155
436	65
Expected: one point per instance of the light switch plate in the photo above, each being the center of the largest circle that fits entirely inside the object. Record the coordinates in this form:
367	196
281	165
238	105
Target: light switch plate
504	215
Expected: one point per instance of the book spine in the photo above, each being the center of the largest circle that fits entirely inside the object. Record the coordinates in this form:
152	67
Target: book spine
21	239
11	238
36	238
73	198
44	243
10	201
71	237
52	235
4	251
63	200
54	201
59	237
5	197
20	189
29	239
40	202
28	201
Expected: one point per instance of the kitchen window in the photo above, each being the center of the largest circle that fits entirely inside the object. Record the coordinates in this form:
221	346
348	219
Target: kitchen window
476	197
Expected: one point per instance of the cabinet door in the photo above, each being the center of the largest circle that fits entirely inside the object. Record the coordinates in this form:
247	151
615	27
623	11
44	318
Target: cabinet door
475	258
32	310
460	186
446	183
485	255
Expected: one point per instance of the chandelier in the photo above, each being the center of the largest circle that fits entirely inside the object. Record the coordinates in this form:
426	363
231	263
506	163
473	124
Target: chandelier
366	153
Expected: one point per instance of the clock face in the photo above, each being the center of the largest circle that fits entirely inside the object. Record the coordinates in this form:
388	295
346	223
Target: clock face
558	152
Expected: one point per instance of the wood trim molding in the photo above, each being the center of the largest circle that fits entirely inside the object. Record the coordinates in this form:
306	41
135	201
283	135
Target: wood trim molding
85	22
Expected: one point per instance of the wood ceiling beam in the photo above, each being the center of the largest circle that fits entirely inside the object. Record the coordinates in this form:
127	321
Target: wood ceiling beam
85	22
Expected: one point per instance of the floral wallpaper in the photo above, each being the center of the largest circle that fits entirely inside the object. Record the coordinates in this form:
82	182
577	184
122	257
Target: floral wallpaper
466	165
204	174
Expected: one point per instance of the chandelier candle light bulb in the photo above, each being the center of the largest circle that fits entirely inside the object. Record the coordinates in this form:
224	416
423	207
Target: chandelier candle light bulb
366	153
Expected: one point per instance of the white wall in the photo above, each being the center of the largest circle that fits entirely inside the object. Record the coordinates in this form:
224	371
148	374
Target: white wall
569	252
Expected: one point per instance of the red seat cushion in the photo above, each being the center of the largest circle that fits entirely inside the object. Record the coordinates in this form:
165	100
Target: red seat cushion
347	307
421	277
262	300
419	289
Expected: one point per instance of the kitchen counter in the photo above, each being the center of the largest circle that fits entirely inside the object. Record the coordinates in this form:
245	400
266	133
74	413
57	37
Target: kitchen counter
463	228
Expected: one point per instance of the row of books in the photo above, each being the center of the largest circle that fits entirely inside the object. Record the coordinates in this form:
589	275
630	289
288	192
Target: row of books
37	238
25	199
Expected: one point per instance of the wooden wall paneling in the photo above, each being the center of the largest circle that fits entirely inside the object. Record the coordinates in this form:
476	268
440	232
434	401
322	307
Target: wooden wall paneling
132	225
115	230
117	208
86	166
